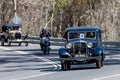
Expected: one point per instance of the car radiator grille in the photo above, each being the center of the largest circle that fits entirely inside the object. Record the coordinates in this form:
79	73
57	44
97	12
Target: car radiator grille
80	49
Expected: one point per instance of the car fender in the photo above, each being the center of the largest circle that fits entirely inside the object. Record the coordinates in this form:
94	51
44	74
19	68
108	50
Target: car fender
62	51
98	50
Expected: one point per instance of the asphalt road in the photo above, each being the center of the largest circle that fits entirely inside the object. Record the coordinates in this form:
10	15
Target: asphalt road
29	63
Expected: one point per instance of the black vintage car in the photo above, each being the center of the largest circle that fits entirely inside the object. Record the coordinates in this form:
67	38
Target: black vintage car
12	33
82	45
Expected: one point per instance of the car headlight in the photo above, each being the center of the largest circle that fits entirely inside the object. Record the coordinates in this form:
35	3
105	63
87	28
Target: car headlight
68	45
89	45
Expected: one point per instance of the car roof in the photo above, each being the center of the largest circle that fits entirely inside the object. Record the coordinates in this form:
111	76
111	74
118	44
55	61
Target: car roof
83	28
8	25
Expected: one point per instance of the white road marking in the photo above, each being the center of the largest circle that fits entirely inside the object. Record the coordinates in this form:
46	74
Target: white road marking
57	66
107	77
20	52
43	74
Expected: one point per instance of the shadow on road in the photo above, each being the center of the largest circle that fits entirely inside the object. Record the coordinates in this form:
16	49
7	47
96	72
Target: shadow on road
112	62
12	61
22	62
113	57
18	62
83	68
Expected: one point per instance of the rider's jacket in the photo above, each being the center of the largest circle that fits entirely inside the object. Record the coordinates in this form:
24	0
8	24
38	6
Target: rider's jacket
47	34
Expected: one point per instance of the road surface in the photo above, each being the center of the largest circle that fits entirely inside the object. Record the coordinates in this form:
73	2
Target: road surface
29	63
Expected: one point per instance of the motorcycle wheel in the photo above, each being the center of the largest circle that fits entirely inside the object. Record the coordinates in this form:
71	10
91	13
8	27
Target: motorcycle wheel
48	50
44	51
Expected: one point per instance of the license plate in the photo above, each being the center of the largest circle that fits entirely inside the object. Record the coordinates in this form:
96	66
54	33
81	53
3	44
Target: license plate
80	55
19	40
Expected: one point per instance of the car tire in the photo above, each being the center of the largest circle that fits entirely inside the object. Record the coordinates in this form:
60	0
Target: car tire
2	41
102	60
26	44
8	42
68	65
63	66
20	44
102	63
98	63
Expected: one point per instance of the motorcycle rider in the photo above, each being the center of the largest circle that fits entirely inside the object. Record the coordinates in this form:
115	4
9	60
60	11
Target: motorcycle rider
44	33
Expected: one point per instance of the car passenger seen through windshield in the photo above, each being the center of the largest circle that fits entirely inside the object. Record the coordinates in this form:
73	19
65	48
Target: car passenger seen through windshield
81	35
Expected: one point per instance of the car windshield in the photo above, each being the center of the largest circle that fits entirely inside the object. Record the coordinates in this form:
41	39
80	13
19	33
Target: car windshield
81	35
13	28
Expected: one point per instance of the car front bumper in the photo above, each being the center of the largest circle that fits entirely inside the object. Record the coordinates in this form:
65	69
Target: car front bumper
81	59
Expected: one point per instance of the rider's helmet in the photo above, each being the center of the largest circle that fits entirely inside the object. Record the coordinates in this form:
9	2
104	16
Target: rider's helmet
44	30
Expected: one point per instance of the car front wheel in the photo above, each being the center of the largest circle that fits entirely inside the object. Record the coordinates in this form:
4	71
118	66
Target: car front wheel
2	41
19	44
99	63
65	65
68	65
26	44
9	43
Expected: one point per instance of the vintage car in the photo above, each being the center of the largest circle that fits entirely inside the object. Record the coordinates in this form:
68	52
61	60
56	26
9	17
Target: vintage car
12	33
83	45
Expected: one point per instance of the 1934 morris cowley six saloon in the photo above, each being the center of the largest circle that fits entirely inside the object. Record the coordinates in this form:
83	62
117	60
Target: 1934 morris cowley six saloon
83	45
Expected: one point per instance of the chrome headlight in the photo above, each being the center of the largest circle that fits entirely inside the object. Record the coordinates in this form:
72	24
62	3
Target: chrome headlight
69	45
89	45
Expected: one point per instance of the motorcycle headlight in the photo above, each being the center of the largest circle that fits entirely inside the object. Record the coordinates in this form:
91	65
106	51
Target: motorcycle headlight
89	45
68	45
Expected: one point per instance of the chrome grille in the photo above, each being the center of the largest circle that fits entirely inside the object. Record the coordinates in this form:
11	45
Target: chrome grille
80	49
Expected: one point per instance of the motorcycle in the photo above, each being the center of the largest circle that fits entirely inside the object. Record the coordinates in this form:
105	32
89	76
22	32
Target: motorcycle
45	45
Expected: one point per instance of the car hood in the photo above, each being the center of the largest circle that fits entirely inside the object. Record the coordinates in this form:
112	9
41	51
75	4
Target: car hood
14	31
